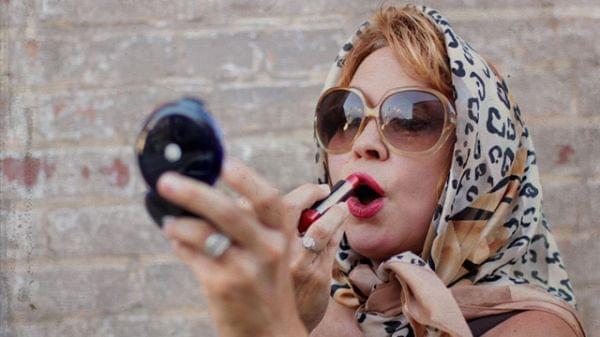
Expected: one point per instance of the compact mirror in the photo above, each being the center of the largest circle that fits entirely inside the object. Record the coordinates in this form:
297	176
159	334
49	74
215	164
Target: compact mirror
179	136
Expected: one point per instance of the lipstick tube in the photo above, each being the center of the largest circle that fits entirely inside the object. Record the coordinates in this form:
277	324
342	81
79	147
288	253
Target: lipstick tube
339	193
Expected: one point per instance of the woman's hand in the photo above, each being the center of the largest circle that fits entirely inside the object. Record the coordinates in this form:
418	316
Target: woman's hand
249	287
313	255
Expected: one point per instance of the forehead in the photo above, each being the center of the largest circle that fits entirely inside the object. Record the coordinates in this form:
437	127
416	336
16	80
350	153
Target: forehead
379	72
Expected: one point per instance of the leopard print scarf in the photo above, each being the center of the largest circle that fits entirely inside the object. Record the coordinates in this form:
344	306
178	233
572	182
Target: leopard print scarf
489	248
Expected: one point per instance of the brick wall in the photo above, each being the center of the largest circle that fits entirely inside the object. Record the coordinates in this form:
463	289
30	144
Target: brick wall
79	256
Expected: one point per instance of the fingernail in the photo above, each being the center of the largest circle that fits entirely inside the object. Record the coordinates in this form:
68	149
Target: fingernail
170	181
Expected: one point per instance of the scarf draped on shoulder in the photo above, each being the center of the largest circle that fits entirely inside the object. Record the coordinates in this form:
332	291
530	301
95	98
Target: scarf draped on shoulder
489	249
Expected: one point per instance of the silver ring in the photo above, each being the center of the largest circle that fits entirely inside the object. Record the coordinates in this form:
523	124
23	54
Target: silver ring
216	244
310	244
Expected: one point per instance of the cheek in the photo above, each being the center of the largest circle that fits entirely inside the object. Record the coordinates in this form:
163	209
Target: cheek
417	198
416	181
335	164
415	203
427	174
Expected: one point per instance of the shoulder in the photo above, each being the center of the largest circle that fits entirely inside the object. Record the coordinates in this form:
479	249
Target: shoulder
532	323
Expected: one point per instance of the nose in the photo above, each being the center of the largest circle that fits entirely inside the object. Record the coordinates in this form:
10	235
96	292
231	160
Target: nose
369	144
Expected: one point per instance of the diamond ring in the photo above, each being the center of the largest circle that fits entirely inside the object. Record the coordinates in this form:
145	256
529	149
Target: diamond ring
310	244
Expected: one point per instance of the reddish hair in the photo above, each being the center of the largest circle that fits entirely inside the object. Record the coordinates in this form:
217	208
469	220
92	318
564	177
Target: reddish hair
414	41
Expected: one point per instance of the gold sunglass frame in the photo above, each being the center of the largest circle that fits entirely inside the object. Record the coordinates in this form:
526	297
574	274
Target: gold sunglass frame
375	111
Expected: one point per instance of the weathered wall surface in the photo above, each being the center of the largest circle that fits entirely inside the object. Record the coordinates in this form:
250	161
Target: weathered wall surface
79	256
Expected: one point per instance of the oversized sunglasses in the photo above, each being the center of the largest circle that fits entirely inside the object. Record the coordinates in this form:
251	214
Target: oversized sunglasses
410	120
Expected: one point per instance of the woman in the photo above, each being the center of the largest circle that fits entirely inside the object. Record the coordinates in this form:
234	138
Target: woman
449	240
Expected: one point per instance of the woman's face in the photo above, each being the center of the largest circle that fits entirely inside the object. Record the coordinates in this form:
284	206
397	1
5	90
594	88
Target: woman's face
409	182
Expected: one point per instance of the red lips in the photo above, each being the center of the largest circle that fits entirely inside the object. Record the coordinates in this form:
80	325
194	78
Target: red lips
365	179
357	208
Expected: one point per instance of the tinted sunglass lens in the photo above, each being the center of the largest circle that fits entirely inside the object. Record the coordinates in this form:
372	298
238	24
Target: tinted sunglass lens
412	120
338	118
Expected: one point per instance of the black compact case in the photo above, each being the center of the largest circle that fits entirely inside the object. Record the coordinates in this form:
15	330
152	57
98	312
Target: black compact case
179	136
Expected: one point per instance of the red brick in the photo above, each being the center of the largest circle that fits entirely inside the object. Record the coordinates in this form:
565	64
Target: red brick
111	173
25	170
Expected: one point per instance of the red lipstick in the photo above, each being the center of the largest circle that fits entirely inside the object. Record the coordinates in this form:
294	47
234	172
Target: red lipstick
339	193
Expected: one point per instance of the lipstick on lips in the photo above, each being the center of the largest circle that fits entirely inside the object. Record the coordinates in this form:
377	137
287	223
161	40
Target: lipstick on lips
340	192
360	210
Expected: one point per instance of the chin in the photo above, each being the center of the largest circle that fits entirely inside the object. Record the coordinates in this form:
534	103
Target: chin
371	241
379	244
